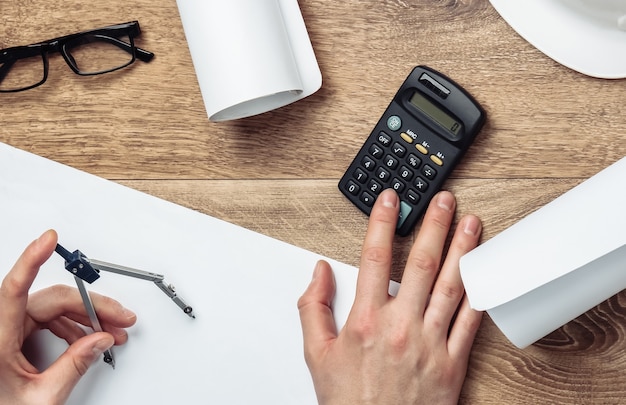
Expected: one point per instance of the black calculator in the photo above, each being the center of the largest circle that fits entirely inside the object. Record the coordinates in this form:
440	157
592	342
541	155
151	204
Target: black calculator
415	145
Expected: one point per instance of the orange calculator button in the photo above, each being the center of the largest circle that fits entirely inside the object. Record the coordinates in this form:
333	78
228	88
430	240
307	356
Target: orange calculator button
406	137
436	160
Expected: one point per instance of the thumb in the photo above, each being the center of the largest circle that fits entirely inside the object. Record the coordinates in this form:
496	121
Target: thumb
66	371
316	316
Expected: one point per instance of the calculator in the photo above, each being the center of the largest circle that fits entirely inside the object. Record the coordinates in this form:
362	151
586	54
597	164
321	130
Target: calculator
415	145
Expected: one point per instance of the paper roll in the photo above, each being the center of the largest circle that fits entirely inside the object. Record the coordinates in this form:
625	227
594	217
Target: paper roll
556	263
250	56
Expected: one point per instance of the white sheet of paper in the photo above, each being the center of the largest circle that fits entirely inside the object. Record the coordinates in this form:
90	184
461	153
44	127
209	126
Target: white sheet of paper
245	347
556	263
250	56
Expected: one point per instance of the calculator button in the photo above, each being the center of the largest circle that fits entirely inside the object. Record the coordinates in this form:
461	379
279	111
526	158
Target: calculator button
397	185
399	150
384	138
421	148
376	151
375	187
367	199
405	210
429	172
405	173
383	174
394	123
360	176
368	163
407	138
412	196
421	184
353	188
437	160
391	162
414	161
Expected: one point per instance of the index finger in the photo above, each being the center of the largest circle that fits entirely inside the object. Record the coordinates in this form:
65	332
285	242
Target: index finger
374	270
15	286
59	301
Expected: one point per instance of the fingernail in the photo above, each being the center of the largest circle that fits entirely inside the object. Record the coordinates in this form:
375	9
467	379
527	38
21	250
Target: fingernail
445	200
100	346
128	313
316	270
120	333
471	226
389	198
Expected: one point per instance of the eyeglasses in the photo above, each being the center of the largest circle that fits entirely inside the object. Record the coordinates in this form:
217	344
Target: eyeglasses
87	53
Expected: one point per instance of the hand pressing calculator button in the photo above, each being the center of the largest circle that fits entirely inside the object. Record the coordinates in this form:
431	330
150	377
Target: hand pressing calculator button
415	145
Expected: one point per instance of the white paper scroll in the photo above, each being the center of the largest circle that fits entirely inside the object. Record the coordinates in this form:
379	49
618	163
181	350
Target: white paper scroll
250	56
556	263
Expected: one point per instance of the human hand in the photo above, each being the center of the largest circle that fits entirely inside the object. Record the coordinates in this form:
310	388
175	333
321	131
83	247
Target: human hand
59	309
411	349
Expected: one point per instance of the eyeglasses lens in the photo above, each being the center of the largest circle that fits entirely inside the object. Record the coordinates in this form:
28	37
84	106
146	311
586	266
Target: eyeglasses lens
21	73
92	54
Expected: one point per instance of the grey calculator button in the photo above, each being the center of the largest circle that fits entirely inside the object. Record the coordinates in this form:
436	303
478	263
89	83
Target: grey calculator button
394	123
405	210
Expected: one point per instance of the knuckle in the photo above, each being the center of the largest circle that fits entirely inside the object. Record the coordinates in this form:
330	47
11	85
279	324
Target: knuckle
382	215
305	302
363	327
110	302
423	261
399	341
463	243
81	366
440	220
376	254
437	323
449	290
61	291
10	285
469	323
110	308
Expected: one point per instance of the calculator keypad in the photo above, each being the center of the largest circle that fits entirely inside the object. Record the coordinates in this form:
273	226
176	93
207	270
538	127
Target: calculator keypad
397	160
390	165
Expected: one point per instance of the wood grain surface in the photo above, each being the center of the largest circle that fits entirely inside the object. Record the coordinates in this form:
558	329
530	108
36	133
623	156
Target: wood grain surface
548	129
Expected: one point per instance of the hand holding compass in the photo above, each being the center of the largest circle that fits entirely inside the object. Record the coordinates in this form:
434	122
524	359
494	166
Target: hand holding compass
85	269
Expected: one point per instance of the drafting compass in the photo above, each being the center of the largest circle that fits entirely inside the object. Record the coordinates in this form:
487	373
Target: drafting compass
88	270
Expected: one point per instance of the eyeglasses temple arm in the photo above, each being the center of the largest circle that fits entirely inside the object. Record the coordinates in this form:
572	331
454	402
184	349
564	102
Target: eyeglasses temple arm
140	53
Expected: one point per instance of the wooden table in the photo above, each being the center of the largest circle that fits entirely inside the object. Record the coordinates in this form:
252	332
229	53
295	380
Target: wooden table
548	129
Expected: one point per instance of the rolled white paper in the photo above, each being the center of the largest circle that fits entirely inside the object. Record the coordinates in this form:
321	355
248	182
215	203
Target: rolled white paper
250	56
556	263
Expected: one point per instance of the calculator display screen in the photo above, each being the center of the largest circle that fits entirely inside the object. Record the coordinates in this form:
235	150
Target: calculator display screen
436	114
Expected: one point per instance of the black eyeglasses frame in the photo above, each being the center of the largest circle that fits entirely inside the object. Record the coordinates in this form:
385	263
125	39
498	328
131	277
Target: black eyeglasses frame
9	56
